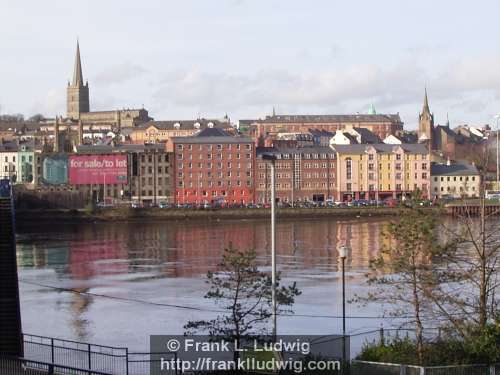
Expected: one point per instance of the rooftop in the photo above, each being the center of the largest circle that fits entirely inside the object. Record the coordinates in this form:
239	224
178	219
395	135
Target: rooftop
109	149
212	135
457	169
393	118
295	150
184	124
412	148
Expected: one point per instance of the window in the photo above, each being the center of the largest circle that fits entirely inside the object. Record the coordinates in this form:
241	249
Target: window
349	186
370	157
348	169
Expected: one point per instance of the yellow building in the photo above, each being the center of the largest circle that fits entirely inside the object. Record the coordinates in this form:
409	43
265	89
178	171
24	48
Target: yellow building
380	171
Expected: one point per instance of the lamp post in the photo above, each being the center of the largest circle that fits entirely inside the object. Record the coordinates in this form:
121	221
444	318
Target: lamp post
343	255
497	117
272	158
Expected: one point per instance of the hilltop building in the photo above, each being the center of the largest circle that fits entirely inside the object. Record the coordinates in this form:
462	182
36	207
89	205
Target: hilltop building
264	131
444	141
78	104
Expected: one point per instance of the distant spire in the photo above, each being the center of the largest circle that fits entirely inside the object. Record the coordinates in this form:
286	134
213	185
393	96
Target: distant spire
274	111
77	74
426	103
447	120
371	110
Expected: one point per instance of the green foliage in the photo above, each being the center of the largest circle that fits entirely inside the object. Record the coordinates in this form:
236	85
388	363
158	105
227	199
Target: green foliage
480	348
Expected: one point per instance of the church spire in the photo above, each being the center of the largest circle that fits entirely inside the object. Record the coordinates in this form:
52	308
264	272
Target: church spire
77	74
426	103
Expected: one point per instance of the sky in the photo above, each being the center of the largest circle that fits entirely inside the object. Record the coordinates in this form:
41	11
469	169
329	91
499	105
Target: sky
205	58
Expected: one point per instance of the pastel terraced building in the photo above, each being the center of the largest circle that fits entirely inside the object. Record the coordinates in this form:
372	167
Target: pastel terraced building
380	171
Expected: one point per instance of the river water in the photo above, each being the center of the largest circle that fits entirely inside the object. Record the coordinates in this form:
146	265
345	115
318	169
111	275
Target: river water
148	267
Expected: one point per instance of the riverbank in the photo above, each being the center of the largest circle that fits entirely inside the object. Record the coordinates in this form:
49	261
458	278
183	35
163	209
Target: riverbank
141	214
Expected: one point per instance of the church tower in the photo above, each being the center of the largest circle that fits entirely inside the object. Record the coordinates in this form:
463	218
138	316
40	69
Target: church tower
426	124
77	92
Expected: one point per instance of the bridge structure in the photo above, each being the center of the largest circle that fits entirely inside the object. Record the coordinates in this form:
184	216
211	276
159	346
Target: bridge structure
472	207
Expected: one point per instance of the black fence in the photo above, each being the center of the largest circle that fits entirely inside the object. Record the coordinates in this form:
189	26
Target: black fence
99	358
15	366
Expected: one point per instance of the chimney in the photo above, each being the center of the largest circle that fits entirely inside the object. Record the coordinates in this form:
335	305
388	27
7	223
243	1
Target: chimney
80	132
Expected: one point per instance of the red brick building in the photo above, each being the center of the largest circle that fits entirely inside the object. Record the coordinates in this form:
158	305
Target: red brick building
213	167
302	174
263	131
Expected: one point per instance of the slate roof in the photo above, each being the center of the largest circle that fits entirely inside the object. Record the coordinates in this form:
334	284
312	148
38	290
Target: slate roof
184	124
326	118
367	136
457	169
109	149
412	148
212	135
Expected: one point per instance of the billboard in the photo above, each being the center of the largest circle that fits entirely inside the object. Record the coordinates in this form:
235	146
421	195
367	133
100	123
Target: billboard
55	169
97	169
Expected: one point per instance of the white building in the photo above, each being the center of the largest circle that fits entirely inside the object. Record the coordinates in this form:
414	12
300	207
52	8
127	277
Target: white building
460	180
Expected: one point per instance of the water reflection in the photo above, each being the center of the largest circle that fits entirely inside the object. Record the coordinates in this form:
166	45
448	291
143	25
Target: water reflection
142	260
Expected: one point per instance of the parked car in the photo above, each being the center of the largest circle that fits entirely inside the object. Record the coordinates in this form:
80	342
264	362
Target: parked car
164	205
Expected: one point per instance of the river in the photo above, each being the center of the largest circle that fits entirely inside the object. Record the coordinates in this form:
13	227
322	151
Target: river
147	267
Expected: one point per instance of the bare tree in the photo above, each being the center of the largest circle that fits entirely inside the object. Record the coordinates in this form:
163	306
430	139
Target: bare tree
403	271
469	278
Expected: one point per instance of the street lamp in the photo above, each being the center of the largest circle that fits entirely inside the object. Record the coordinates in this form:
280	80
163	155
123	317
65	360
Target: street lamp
343	250
497	117
272	158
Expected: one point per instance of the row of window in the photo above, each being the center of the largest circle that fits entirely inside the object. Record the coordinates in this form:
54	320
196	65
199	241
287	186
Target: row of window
213	193
209	174
399	187
145	193
150	180
305	165
455	178
211	183
209	156
150	158
454	188
305	175
210	147
397	157
398	176
149	170
304	185
211	165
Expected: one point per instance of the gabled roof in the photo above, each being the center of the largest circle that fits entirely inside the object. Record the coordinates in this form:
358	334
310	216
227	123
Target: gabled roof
367	136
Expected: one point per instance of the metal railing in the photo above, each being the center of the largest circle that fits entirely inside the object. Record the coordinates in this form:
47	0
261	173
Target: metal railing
22	366
379	368
108	359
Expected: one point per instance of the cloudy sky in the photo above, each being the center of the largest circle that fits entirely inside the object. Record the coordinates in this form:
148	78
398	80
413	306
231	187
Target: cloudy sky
190	58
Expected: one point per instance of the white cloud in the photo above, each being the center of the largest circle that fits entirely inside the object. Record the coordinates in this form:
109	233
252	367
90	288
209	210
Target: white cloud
119	74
